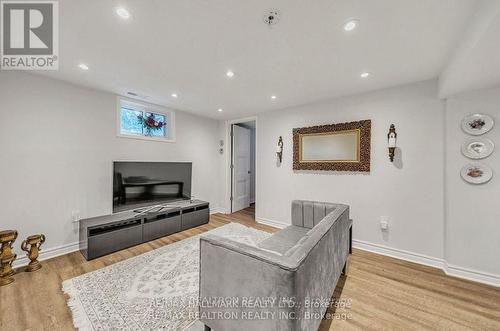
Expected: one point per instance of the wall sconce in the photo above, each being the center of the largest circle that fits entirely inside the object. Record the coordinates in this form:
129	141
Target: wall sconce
391	141
279	149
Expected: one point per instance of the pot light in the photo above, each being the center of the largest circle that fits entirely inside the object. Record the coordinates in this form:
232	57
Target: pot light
351	25
123	13
219	110
83	66
230	74
365	75
174	95
273	97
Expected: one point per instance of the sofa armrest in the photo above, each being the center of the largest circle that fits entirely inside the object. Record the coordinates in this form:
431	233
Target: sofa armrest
255	252
233	271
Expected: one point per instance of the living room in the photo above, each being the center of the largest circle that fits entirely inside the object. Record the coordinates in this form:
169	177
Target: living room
189	165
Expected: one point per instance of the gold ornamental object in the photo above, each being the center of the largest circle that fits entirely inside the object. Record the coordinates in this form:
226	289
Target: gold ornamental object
34	242
7	238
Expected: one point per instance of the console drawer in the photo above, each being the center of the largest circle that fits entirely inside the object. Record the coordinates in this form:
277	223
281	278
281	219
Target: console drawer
192	218
112	241
160	227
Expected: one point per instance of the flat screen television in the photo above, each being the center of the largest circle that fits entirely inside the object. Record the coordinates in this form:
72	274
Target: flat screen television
142	184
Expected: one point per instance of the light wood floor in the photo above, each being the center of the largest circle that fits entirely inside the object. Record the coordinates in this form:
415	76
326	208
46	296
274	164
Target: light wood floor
385	293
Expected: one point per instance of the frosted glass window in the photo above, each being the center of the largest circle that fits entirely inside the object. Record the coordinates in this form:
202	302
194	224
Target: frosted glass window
144	121
129	121
154	125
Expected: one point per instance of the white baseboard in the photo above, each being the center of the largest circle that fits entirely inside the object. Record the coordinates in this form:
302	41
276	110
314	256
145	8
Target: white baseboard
398	253
48	253
473	275
276	224
450	270
217	210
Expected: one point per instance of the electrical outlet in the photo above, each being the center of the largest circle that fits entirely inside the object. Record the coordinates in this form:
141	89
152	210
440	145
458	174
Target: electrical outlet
384	223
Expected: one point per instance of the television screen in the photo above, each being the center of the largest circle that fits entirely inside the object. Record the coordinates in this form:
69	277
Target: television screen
141	184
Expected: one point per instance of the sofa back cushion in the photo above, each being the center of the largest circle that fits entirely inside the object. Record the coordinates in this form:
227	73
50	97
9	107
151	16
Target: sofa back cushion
309	213
280	242
314	235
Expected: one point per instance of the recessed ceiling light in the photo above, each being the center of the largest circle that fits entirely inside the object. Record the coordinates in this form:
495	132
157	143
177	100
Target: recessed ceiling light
351	25
365	75
174	95
230	74
219	110
83	66
273	97
123	13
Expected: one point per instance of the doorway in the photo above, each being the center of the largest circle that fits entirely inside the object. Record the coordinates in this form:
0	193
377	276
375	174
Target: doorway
242	167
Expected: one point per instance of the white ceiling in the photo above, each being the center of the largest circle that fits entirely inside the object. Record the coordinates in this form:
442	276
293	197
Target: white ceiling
186	46
476	62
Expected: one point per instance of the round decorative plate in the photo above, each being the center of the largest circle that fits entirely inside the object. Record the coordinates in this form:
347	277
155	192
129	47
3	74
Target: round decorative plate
477	148
476	173
477	124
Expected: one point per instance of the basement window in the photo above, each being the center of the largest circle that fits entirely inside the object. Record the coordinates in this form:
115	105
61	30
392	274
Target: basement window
145	121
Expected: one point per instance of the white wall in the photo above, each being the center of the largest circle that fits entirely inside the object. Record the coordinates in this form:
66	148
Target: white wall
57	144
473	212
58	141
409	191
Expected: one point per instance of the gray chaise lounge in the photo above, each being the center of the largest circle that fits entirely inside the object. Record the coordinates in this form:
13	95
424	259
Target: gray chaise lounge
267	288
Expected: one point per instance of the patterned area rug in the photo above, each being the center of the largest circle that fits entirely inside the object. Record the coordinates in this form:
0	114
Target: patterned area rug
152	291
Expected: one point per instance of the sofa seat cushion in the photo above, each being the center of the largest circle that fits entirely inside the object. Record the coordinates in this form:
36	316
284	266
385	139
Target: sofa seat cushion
281	241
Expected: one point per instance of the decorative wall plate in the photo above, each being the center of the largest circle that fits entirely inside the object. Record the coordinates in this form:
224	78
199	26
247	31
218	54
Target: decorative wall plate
477	148
476	173
477	124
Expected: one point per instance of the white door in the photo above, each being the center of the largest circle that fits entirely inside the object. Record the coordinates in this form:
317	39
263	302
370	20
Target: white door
241	168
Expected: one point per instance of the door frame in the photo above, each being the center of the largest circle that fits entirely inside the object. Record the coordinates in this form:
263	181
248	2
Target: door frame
229	153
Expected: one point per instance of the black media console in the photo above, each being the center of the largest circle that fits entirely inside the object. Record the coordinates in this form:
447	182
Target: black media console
106	234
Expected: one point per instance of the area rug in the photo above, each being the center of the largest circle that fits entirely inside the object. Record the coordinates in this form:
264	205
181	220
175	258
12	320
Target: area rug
157	290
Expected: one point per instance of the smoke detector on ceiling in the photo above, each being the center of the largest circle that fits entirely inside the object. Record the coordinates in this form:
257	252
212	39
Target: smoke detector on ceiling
271	17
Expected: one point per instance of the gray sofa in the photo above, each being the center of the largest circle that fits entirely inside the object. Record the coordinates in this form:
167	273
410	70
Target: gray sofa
271	287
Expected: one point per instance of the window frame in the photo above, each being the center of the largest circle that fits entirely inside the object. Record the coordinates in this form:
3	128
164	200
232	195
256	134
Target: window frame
135	105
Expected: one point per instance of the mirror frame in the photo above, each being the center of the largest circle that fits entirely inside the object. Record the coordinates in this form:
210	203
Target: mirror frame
361	165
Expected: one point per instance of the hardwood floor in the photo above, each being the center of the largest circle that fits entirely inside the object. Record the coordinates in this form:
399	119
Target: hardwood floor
384	293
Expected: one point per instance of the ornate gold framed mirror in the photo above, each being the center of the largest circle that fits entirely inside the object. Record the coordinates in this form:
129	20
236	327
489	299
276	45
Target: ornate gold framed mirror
338	147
